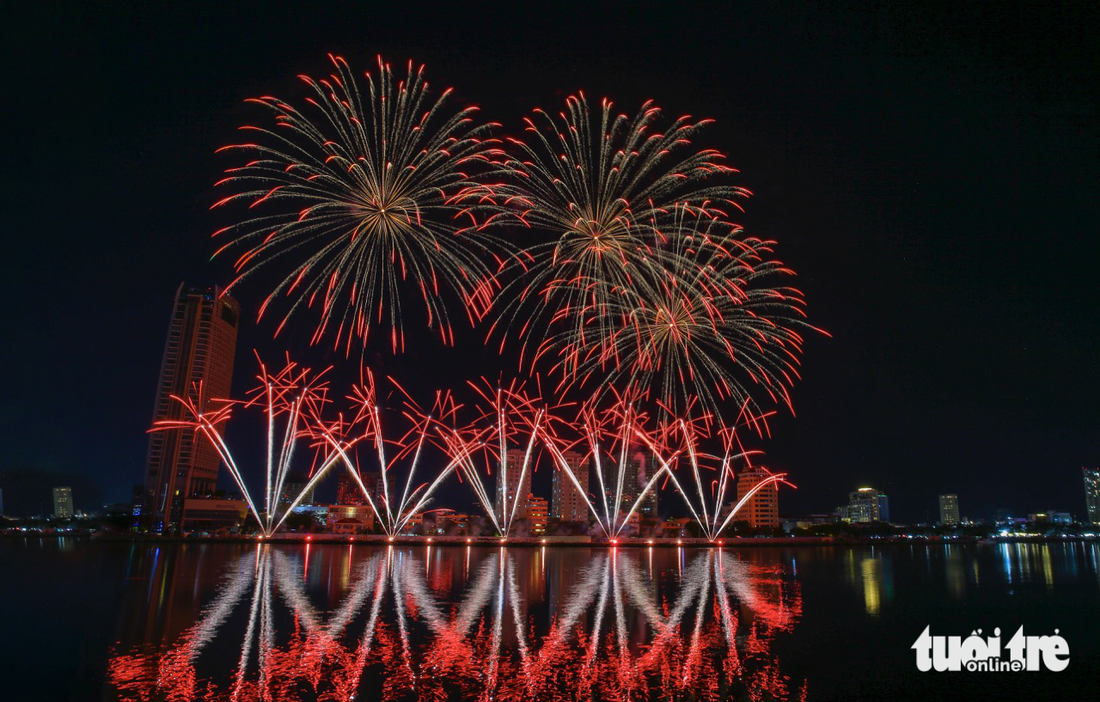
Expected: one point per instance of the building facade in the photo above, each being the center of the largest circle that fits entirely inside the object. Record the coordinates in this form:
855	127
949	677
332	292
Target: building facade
513	471
949	510
294	486
376	488
761	510
567	504
197	363
350	518
538	510
866	505
213	514
647	468
1092	493
637	470
62	502
348	491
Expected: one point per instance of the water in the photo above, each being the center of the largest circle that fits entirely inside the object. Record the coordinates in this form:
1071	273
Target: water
121	621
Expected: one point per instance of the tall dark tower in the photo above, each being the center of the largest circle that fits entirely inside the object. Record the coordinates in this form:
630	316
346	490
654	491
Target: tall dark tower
202	339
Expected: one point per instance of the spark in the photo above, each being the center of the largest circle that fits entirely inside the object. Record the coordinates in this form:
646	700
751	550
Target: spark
362	193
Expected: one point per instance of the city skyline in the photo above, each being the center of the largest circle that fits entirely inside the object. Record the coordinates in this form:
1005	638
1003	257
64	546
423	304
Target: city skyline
893	364
557	352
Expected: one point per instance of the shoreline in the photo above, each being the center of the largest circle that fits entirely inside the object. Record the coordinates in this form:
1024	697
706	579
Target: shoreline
555	541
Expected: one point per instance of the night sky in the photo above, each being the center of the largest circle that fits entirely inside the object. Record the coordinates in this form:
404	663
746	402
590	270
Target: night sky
929	170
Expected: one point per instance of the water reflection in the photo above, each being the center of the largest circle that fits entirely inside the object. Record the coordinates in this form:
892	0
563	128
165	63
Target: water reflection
870	572
955	566
502	624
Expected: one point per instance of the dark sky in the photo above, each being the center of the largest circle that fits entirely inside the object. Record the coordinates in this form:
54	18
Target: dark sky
930	171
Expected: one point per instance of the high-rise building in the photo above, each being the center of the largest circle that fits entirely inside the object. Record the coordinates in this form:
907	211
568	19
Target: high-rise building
348	491
635	475
866	505
372	480
762	509
294	486
949	510
1092	493
635	467
648	468
566	502
522	488
197	363
62	502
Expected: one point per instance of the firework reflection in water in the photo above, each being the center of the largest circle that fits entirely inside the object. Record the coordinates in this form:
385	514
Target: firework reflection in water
483	623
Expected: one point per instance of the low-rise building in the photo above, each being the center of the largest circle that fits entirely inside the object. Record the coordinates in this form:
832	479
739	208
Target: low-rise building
318	512
340	518
675	527
414	524
213	514
538	512
347	526
808	521
448	521
1051	517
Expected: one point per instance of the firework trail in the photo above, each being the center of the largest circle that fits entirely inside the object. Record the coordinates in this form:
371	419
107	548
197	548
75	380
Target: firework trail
602	190
504	436
391	511
708	509
294	398
360	194
715	330
608	436
294	401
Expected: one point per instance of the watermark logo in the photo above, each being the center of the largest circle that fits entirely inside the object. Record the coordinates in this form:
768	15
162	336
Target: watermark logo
977	654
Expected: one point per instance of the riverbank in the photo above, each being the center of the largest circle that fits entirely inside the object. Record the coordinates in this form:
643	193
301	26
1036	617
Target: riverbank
556	541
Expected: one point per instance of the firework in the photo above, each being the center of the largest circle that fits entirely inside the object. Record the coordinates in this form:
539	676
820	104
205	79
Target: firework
293	397
391	511
504	436
602	191
360	194
711	493
716	330
294	401
608	437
